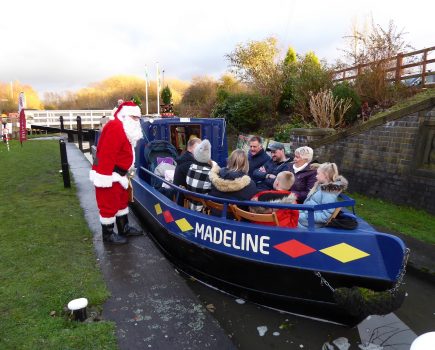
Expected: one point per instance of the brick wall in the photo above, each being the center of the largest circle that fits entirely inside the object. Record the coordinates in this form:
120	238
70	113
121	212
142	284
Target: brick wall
392	158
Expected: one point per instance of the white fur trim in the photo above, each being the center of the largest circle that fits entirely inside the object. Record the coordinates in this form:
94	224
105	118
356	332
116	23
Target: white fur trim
107	180
122	212
129	110
100	180
134	156
107	221
121	179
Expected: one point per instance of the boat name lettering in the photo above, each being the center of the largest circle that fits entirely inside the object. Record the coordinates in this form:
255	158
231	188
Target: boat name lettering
231	239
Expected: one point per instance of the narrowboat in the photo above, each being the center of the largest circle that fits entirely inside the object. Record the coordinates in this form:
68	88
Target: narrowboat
326	273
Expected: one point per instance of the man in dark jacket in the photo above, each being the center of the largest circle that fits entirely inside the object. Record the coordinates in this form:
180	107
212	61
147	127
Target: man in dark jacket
183	165
256	155
266	174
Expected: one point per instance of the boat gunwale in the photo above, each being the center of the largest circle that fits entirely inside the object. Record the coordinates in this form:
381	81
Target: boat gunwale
345	202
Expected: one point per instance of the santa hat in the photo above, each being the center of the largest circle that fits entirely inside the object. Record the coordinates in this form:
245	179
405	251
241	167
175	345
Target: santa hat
126	109
202	152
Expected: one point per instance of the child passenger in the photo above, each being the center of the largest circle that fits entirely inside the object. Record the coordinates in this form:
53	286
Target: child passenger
280	194
326	190
197	178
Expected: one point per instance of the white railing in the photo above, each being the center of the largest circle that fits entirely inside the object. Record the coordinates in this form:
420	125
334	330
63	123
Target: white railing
90	118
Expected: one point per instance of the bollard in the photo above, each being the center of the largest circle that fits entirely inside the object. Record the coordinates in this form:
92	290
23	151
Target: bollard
79	133
62	128
78	309
64	162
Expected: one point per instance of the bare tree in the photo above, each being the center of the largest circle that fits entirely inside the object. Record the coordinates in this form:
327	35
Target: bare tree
374	43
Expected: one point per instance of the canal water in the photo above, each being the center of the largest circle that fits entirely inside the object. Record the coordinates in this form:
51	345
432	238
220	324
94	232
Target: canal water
251	326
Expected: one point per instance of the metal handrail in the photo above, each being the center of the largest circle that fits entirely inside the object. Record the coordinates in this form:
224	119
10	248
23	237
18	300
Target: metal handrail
345	202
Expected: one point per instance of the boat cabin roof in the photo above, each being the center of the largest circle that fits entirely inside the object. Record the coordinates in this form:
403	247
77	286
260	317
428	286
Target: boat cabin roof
178	131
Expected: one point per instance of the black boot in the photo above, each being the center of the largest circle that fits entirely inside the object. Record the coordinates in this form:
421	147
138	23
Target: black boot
110	236
124	229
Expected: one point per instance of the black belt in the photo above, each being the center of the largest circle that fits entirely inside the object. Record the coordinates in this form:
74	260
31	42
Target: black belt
120	171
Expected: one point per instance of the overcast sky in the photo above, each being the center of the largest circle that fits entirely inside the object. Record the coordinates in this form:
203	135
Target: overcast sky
66	45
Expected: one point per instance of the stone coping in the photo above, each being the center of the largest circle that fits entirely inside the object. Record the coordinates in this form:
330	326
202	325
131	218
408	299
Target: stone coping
312	131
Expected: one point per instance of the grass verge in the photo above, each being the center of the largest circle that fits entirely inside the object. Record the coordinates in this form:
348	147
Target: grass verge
47	255
394	218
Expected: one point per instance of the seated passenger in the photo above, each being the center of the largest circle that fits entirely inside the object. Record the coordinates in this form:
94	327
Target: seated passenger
256	155
197	179
305	173
326	190
183	165
266	174
164	170
232	182
280	194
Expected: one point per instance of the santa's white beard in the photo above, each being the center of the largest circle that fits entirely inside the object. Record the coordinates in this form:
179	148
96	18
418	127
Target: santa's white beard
132	130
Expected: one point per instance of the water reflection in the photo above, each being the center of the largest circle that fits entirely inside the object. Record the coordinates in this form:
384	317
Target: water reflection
254	327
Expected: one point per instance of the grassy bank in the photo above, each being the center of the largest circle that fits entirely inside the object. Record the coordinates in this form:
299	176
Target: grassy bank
394	218
47	255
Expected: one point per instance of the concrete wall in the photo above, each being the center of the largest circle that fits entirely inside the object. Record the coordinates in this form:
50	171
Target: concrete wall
390	157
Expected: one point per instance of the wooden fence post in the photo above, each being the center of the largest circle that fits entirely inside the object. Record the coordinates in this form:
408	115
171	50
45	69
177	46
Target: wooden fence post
423	70
399	61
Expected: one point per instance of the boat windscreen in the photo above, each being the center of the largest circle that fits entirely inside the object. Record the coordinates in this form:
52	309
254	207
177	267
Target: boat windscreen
181	134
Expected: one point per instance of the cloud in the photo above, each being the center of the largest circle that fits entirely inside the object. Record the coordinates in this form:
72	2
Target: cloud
55	45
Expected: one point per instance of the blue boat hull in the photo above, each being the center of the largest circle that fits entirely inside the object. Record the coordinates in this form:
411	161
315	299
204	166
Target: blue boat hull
267	271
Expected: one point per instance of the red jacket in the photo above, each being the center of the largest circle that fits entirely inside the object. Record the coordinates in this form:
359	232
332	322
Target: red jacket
286	217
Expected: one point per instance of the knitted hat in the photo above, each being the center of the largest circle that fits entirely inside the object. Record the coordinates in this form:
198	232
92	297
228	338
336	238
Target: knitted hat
202	152
126	109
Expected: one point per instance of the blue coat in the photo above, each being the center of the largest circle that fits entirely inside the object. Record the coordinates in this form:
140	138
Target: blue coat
257	160
323	194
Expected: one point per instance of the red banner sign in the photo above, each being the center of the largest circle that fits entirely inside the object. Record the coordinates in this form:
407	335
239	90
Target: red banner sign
21	106
23	130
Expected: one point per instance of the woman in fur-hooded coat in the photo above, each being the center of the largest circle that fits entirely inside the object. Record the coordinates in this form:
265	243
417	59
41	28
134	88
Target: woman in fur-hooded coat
232	182
326	190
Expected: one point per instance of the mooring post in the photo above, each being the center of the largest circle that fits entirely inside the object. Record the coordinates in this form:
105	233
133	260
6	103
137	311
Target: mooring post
79	133
78	309
62	129
64	162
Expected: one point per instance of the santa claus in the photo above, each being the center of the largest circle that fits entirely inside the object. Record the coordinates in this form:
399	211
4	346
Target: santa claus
114	159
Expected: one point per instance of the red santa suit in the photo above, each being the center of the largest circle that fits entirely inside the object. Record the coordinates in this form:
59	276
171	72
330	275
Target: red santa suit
114	158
